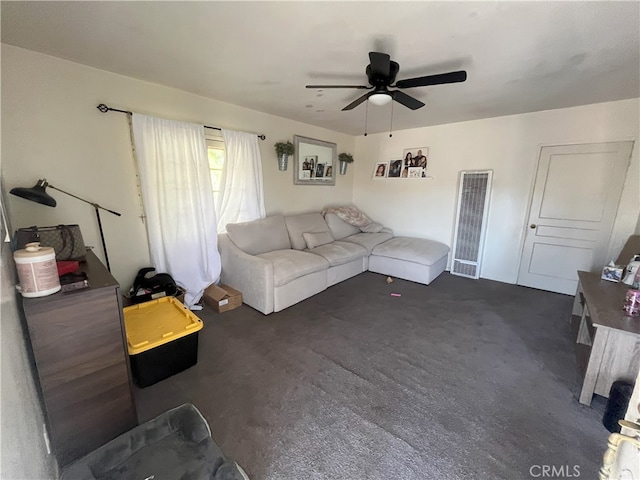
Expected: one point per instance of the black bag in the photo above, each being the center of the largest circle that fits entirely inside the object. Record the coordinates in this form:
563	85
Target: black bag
66	240
149	287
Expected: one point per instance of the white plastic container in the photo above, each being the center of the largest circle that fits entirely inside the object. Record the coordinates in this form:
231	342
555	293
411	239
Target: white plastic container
37	270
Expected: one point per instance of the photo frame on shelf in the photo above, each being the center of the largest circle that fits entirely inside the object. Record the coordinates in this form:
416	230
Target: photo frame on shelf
416	172
414	159
308	166
381	170
395	169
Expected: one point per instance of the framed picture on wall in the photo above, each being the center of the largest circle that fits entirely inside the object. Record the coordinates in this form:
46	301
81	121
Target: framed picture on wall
314	161
381	170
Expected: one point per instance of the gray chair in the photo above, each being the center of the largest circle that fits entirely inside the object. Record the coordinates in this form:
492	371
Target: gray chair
175	445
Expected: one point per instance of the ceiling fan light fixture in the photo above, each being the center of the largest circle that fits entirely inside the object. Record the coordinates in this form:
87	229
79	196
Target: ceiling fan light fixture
381	74
380	99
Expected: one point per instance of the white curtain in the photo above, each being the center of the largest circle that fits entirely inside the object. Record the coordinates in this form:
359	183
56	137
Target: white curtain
241	196
178	202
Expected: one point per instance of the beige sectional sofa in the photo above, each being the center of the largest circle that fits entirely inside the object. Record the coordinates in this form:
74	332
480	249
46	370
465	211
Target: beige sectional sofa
278	261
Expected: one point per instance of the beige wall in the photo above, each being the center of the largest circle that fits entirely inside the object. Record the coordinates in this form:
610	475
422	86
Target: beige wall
51	128
510	147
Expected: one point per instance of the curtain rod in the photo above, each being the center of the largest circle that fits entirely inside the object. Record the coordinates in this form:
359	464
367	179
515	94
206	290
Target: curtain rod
104	109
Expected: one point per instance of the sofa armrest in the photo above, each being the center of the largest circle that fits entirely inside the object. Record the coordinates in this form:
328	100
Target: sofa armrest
252	275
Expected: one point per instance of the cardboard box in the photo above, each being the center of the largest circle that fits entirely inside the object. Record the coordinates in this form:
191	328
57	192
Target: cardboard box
222	298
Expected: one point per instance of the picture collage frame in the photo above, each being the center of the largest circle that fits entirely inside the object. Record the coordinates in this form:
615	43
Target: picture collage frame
314	161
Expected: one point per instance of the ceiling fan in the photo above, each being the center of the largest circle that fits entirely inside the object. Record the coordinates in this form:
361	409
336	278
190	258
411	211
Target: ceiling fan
381	73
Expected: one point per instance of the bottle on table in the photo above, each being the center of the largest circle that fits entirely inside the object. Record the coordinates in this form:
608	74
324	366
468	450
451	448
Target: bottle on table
632	298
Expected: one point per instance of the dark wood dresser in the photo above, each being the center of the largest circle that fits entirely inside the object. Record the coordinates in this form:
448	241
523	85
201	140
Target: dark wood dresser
79	348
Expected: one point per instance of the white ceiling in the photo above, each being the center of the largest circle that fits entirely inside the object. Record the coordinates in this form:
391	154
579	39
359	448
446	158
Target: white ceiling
520	56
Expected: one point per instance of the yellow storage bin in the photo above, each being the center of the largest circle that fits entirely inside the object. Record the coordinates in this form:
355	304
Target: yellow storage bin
162	339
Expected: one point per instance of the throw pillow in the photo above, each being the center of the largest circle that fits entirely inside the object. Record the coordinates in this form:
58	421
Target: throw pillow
305	222
316	239
373	227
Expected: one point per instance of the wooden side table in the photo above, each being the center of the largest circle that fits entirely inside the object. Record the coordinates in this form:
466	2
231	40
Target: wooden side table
608	341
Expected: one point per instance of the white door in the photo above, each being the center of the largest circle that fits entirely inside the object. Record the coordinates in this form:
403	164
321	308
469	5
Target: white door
575	200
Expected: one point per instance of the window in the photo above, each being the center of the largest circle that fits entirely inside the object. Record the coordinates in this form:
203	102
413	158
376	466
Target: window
236	169
215	149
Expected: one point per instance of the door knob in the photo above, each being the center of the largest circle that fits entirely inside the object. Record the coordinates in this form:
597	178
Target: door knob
533	225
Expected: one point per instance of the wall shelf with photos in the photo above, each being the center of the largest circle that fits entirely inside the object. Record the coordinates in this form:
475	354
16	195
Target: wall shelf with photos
413	164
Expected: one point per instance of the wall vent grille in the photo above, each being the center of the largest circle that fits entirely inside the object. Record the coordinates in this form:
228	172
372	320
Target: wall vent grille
473	205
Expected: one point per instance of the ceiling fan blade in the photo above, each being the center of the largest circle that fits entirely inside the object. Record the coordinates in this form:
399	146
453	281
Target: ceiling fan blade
451	77
406	100
380	64
339	86
358	101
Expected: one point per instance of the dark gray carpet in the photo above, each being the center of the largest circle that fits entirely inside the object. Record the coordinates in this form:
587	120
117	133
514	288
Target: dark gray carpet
463	379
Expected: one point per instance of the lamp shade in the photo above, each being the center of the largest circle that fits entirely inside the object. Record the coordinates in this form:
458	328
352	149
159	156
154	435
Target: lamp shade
380	98
37	193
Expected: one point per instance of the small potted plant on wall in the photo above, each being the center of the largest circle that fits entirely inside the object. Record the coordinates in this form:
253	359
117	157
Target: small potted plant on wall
345	159
283	150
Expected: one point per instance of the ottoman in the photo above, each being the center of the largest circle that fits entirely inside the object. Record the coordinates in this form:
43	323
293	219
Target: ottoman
416	259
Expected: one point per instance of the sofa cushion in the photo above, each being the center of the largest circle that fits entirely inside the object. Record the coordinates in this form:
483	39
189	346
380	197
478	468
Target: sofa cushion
369	240
314	240
417	250
291	264
339	228
339	253
306	222
373	227
260	236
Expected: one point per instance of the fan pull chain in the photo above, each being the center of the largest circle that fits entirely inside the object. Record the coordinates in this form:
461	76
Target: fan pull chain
391	122
366	117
